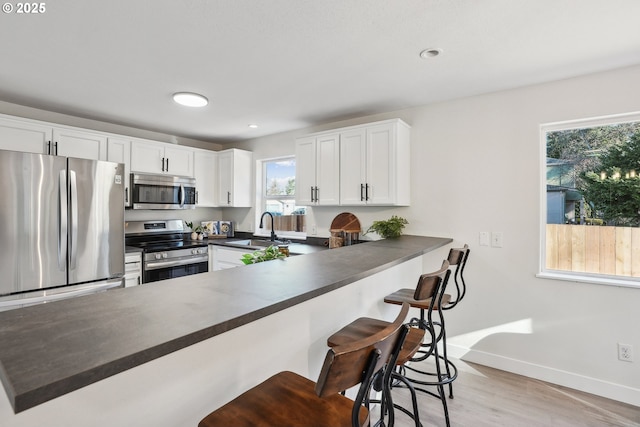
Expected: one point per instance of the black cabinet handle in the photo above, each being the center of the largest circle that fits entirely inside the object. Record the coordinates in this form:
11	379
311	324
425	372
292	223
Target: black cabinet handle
48	147
55	148
366	192
126	195
167	164
312	193
362	192
228	197
163	164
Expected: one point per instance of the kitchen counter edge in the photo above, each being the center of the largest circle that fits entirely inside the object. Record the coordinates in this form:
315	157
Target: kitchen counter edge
267	288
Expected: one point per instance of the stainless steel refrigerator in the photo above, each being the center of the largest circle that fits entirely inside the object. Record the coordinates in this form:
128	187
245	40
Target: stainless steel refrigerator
61	227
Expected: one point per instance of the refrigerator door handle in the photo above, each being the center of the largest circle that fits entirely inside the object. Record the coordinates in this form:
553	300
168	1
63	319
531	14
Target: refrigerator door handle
62	220
73	245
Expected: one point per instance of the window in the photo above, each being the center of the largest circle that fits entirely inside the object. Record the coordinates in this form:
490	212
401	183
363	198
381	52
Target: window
278	198
591	204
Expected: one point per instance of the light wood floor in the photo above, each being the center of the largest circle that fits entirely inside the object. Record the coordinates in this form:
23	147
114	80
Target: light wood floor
489	397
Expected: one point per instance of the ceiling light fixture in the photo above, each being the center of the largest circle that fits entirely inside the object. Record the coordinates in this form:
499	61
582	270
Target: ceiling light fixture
190	99
432	52
253	126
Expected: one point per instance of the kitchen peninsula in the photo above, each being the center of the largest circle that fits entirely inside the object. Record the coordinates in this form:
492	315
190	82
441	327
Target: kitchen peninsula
193	342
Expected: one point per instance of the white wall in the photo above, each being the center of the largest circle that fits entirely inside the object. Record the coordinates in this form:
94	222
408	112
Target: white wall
475	167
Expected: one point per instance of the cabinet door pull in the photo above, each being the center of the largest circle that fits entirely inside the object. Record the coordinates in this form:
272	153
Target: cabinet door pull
312	193
167	164
362	192
55	148
317	198
366	192
126	195
48	147
228	197
163	164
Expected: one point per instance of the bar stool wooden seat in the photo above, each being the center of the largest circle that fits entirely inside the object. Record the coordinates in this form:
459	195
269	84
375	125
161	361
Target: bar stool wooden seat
429	288
288	399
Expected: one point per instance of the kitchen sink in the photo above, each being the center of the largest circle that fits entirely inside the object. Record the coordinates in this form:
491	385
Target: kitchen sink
253	242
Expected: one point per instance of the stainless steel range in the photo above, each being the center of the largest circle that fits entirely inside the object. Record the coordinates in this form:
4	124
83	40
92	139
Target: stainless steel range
167	251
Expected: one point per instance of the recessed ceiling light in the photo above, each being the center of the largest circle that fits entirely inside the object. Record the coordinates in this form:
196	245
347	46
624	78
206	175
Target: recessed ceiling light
190	99
432	52
253	126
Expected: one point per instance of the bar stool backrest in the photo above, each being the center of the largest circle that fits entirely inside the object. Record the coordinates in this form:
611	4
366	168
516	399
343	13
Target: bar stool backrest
355	363
429	284
458	258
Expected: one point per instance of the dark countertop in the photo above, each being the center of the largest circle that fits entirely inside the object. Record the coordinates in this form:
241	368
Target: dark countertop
52	349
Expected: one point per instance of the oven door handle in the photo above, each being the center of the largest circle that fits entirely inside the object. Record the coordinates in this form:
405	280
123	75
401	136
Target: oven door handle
154	265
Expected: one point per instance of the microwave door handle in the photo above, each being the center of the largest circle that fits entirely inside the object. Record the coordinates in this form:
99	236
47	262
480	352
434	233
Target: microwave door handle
181	196
74	220
62	220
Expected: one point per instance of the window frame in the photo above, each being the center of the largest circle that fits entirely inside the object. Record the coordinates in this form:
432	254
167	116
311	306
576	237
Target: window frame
263	199
582	277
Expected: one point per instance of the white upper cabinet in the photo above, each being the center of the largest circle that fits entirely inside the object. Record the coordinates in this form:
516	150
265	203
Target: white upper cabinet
41	138
357	165
160	158
375	160
205	173
18	135
235	178
80	144
119	151
317	170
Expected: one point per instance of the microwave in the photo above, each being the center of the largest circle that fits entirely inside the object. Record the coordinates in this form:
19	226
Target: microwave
162	192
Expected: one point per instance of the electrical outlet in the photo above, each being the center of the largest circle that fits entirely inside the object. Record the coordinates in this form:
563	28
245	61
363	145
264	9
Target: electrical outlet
314	230
625	352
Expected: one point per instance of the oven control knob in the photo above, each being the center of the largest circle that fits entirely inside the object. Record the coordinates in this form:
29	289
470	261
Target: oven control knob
164	255
194	251
200	251
158	256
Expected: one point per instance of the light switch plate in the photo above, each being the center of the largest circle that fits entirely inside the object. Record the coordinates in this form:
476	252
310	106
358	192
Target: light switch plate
484	238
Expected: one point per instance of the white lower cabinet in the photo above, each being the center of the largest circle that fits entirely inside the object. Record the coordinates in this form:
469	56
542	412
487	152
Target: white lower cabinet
132	269
221	257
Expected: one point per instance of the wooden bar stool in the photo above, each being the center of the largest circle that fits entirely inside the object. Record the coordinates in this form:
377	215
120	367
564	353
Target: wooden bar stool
429	288
457	258
429	296
288	399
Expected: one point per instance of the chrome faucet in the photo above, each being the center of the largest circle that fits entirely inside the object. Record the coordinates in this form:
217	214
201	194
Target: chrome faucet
273	233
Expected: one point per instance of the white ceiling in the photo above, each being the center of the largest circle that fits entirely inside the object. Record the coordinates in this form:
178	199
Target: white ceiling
288	64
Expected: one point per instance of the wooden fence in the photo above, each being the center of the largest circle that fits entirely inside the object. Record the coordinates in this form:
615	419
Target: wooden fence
286	223
594	249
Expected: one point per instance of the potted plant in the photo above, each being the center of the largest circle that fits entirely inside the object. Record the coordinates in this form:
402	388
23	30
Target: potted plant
389	228
196	233
267	254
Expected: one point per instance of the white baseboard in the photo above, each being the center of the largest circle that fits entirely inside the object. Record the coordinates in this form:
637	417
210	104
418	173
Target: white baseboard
572	380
